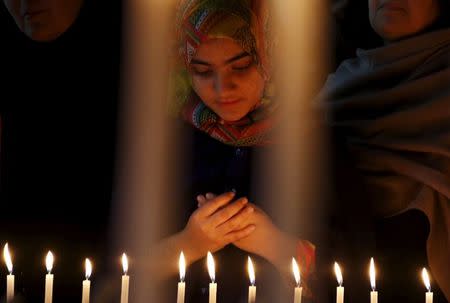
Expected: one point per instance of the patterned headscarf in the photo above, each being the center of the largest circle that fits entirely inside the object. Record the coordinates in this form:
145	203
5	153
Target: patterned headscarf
246	22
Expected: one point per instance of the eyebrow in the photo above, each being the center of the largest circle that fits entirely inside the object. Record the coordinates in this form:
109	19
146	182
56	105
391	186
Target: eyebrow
228	61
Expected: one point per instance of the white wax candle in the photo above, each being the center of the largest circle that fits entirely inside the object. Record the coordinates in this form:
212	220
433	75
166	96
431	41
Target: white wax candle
340	294
181	292
212	292
10	277
252	294
428	297
125	280
181	284
125	289
49	278
298	294
373	293
9	288
48	288
86	291
87	283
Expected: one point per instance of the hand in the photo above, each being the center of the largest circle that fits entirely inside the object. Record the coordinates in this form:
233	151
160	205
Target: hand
267	240
218	222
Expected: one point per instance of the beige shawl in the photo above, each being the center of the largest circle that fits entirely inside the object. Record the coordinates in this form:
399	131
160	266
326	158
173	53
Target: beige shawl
392	104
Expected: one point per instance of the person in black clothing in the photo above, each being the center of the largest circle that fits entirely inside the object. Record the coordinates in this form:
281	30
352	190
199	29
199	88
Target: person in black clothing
58	122
387	111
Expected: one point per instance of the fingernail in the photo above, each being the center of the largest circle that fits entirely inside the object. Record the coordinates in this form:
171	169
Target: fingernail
250	209
199	197
233	190
244	201
252	228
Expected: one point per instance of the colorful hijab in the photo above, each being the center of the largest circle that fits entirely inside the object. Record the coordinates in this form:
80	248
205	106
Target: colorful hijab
245	21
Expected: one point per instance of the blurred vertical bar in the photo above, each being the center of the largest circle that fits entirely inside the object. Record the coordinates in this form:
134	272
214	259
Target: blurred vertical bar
143	178
295	171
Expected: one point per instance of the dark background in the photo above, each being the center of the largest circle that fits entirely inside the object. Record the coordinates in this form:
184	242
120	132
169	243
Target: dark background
58	109
58	104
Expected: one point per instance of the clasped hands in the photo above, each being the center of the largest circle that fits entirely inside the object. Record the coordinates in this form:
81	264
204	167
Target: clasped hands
221	220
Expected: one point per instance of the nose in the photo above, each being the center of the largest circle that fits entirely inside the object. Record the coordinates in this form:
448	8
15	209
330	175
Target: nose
223	83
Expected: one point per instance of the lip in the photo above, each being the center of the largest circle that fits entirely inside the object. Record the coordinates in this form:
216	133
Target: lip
229	101
394	5
28	14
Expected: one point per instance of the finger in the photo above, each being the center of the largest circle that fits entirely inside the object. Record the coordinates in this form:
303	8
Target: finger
200	200
210	196
224	214
239	234
237	222
213	205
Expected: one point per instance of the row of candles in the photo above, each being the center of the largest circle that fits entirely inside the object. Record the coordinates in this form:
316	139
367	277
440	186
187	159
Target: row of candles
49	278
182	284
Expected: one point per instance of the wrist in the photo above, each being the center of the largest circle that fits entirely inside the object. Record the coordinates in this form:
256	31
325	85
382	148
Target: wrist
280	251
193	250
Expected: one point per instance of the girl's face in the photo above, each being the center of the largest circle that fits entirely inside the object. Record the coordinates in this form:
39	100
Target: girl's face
396	19
226	78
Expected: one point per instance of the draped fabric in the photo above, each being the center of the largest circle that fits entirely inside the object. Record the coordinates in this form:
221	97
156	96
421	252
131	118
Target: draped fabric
392	105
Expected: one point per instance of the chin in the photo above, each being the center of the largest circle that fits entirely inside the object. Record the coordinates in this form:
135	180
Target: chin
231	117
41	35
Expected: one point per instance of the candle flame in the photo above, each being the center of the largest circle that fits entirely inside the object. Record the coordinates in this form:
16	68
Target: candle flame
296	271
49	261
182	267
426	279
372	274
338	272
7	257
125	263
88	266
251	271
211	267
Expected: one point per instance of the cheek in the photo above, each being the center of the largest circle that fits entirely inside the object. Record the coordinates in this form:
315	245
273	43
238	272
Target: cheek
204	88
424	12
253	86
13	7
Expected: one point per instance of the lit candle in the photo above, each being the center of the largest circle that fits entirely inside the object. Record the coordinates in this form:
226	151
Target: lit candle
212	275
10	277
125	280
49	278
340	288
426	281
252	287
181	284
373	293
87	283
298	289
